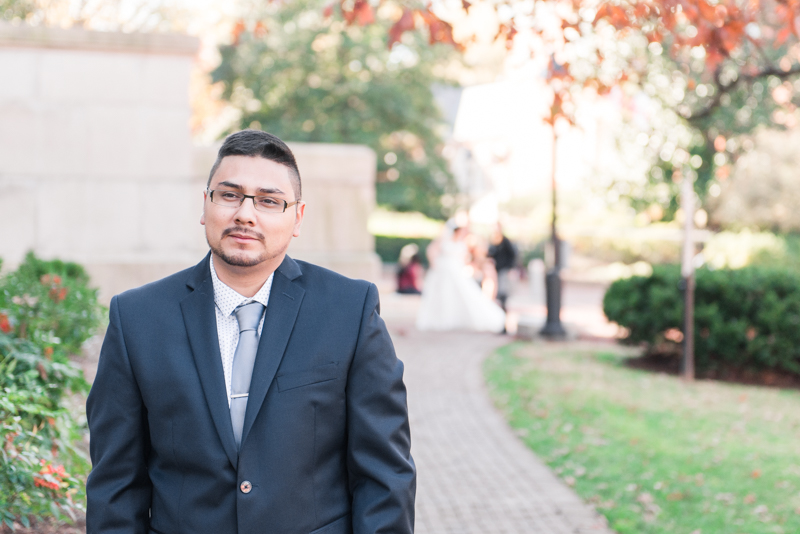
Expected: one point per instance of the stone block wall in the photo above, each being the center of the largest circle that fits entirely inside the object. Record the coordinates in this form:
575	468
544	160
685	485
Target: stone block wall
97	164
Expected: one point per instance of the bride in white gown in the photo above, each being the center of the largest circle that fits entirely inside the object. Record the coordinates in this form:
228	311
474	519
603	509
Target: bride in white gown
451	299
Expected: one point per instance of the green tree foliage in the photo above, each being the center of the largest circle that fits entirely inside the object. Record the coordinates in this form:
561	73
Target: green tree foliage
717	114
311	74
15	9
698	76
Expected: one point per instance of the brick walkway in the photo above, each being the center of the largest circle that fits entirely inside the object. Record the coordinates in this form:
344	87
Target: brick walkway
475	476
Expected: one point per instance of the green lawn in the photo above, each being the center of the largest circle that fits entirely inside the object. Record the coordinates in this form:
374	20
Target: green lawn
652	453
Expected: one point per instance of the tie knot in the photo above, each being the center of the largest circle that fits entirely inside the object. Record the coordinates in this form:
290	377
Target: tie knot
249	315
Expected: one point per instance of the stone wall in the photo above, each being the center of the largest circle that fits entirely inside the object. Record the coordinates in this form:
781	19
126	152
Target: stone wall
97	164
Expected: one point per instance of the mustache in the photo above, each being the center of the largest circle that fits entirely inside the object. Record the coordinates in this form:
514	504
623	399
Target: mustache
243	231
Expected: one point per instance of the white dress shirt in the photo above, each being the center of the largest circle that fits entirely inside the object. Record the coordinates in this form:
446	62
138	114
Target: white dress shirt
226	300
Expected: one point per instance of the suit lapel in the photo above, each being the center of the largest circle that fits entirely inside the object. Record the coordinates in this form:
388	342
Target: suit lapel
284	303
201	326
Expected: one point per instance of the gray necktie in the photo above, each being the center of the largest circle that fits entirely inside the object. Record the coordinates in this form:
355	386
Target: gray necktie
248	316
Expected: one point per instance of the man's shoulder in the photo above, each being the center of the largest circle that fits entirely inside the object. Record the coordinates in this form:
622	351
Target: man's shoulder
316	274
330	294
168	288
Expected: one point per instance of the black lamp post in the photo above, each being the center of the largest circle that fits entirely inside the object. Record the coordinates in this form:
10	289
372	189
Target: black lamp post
553	329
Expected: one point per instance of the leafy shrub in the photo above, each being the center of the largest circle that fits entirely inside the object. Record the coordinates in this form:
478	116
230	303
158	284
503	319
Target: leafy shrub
37	435
51	304
47	311
744	319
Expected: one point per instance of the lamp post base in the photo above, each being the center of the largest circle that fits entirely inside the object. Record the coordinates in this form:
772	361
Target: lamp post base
553	329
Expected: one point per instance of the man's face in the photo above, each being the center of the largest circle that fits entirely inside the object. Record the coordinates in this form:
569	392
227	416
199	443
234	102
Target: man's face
243	236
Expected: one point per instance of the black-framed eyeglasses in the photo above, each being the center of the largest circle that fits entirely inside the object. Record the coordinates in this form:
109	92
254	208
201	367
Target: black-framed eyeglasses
234	199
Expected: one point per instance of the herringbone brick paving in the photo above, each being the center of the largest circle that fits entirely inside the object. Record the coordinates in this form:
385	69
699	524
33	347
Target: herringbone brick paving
475	476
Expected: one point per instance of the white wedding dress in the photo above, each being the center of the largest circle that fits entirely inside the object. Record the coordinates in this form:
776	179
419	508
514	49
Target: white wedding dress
451	299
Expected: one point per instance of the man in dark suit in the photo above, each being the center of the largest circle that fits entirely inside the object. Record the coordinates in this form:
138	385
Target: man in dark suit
194	432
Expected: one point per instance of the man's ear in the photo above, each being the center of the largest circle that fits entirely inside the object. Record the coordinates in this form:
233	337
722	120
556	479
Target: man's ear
298	218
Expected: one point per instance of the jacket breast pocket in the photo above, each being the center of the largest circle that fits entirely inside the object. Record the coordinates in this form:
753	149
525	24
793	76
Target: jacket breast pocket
343	525
306	377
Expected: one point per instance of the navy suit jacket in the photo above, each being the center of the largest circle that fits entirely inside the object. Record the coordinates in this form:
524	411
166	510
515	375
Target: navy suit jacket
326	443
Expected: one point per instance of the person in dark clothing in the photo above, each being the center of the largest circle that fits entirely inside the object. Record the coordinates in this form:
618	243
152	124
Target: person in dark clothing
409	278
409	271
504	254
251	393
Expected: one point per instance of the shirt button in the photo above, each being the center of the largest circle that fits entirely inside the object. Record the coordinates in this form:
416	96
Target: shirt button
246	486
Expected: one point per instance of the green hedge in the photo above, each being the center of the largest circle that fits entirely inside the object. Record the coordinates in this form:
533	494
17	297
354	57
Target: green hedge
744	319
388	248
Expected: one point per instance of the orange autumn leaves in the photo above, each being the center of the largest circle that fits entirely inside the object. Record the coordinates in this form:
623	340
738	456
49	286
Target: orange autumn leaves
362	13
719	27
724	29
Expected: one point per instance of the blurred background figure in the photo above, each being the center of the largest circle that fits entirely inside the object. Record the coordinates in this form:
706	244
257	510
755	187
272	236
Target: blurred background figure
409	270
504	254
480	265
451	300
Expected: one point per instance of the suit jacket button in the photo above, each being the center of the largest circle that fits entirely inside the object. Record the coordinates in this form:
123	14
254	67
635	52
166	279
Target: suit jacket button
246	486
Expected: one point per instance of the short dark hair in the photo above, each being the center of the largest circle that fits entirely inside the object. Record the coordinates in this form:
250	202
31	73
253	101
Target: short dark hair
256	143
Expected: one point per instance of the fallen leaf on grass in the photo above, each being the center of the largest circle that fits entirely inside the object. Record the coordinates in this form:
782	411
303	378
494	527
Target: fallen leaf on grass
675	496
570	481
756	473
727	498
749	498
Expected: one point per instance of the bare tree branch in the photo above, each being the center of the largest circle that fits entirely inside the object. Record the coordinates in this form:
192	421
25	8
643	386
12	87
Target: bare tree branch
722	89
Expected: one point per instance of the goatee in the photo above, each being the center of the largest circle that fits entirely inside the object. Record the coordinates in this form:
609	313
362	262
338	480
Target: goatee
238	260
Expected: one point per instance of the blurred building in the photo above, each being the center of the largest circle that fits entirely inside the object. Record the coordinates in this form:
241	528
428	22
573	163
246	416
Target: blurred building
97	164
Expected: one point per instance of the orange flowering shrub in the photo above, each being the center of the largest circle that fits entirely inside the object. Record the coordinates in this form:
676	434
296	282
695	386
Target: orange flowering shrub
52	476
